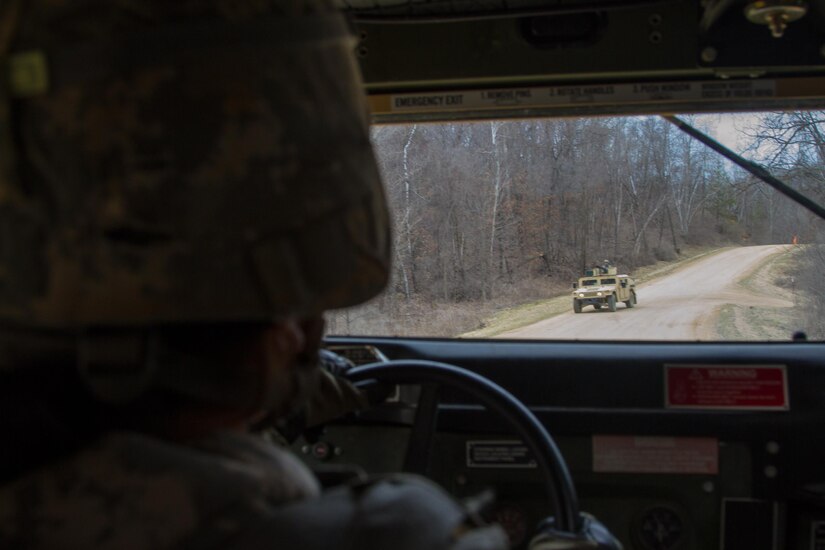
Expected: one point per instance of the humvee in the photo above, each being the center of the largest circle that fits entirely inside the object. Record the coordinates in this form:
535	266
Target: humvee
602	286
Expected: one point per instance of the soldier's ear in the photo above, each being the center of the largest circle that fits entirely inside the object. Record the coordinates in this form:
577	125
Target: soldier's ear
282	341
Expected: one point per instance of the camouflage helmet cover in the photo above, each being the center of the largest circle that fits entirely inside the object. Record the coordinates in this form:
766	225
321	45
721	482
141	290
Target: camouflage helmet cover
206	168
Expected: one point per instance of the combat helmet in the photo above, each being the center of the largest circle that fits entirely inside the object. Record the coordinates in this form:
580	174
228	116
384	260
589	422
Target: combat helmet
164	169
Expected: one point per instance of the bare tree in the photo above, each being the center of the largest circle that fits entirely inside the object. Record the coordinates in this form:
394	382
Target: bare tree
793	143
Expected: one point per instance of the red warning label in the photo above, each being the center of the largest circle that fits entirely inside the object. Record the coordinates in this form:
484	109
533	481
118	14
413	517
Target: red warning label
655	455
732	387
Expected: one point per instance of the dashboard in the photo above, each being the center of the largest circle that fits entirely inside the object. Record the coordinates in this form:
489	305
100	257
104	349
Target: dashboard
670	445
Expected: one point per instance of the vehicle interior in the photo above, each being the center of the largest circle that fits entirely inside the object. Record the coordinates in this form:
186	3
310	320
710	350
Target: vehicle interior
732	465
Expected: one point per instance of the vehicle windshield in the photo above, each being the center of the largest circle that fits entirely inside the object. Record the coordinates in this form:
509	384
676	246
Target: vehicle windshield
493	221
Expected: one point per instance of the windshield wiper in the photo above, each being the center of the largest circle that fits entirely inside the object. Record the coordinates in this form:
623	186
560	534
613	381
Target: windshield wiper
755	169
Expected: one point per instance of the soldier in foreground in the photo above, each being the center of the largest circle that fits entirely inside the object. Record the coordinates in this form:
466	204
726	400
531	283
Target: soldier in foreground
185	187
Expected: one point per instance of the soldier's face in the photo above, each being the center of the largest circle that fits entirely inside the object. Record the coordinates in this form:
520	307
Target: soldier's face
288	359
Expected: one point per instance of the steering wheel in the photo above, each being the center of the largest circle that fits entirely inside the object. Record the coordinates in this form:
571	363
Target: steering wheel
557	481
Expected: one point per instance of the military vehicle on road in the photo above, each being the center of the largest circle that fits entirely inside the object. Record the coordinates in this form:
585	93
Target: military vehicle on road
602	286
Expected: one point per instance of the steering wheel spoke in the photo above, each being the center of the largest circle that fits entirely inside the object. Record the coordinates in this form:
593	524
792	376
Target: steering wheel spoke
417	460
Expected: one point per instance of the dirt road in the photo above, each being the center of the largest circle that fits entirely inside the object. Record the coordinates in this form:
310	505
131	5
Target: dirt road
681	306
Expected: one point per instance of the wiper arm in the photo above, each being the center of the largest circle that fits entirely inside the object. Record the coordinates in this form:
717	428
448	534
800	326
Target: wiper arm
751	167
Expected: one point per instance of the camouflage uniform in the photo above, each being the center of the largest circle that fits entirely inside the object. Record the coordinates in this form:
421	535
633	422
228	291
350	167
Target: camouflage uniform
195	163
230	491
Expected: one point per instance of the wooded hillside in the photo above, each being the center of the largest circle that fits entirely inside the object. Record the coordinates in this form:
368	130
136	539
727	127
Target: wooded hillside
507	211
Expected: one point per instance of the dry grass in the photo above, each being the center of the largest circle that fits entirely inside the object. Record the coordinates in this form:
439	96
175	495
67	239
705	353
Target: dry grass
775	278
399	317
516	317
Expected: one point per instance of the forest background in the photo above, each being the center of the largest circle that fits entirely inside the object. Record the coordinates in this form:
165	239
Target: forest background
490	215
